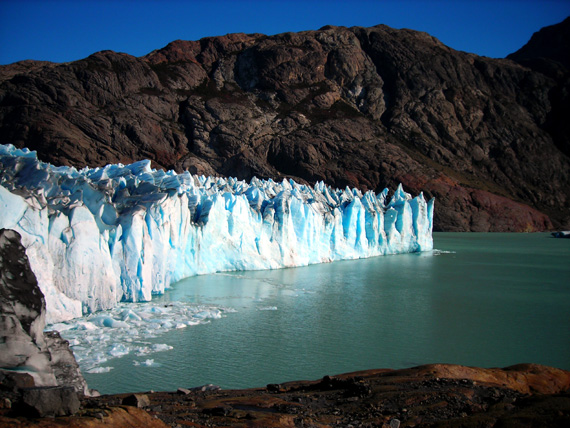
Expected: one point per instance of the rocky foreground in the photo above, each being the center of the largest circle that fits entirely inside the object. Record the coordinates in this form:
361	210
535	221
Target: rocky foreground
438	395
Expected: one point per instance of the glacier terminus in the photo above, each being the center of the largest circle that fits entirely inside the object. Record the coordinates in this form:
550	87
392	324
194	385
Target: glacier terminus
121	233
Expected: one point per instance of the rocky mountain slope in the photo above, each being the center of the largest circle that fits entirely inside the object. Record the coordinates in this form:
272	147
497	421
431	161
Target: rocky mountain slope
363	107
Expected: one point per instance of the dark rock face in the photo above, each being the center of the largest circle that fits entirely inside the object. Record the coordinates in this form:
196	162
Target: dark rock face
64	365
363	107
550	43
136	400
48	401
37	370
22	316
548	53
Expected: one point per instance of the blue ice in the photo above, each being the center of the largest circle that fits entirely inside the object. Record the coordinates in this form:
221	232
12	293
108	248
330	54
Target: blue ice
96	237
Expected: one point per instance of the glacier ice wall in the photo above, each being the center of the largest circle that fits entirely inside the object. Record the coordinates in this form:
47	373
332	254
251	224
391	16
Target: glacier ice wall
99	236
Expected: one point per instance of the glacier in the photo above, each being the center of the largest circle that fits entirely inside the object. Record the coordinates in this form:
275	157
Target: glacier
122	233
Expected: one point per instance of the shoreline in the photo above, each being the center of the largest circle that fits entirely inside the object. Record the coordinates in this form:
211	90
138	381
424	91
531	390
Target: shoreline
429	395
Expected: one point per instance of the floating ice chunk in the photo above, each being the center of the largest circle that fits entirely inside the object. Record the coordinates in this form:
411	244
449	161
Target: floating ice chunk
268	308
129	315
118	350
106	321
94	344
206	314
62	326
161	347
91	361
99	370
146	363
145	350
436	252
167	324
86	326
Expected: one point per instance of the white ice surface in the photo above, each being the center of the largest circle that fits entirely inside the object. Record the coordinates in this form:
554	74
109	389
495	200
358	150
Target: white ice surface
127	329
97	237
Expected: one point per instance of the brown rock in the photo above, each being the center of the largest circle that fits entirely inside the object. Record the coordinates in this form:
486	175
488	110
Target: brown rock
363	107
137	400
48	401
114	417
63	363
430	395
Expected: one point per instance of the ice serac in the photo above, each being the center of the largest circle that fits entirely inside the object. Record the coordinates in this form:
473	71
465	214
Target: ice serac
96	237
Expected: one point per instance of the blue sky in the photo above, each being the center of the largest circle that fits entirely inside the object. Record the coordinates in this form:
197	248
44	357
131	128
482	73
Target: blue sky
63	30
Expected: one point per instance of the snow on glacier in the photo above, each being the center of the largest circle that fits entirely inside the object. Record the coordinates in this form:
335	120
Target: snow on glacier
96	237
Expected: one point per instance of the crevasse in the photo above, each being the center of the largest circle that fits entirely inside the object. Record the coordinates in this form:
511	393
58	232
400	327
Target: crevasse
99	236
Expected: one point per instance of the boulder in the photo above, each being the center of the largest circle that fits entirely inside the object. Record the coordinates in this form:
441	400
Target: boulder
207	387
64	364
15	380
48	401
136	400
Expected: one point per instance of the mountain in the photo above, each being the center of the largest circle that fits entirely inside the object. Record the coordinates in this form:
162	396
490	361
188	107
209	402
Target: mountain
361	107
549	44
548	52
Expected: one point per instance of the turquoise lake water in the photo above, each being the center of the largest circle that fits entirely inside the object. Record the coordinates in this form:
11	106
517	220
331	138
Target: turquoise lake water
488	300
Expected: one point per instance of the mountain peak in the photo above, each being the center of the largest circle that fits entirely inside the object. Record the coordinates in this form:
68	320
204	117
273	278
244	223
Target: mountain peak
359	107
552	42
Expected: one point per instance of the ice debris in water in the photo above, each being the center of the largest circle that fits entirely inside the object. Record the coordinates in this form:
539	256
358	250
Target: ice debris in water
98	370
129	329
96	237
437	252
147	363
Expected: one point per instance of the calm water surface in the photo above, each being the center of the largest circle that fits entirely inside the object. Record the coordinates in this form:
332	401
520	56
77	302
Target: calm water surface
489	300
